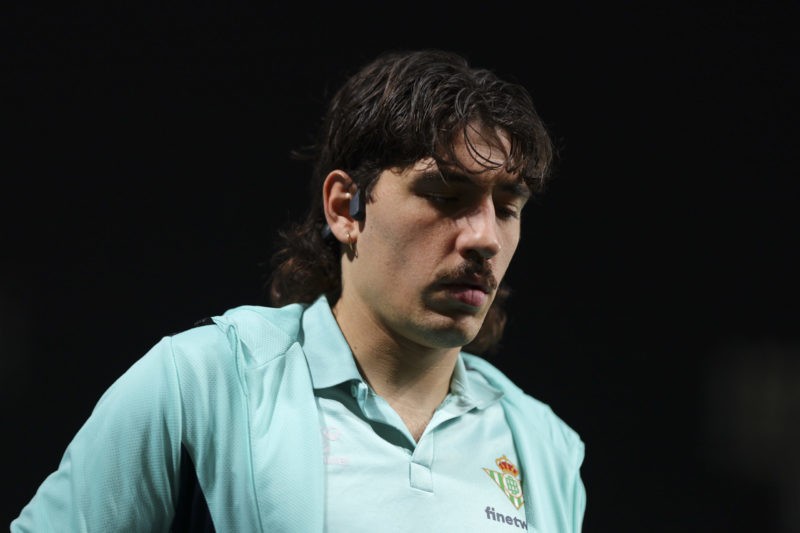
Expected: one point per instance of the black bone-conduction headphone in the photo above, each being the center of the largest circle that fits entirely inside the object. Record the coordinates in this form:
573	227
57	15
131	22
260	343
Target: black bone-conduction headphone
357	208
358	211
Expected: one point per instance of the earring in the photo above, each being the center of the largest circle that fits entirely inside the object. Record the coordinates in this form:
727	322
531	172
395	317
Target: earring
351	245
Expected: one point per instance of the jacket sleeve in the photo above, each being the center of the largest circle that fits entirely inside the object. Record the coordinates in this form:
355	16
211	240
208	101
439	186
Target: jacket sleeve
578	492
119	472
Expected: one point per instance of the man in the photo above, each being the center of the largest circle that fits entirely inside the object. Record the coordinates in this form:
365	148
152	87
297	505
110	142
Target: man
350	405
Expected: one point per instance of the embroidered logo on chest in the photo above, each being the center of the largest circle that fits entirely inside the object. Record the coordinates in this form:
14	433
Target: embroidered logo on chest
507	478
328	436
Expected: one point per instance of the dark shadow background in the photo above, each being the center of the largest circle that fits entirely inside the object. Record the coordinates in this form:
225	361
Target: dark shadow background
655	302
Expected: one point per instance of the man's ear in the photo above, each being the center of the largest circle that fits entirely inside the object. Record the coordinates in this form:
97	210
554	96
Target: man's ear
337	193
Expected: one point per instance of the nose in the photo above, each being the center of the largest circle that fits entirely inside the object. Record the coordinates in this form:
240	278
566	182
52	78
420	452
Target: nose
478	233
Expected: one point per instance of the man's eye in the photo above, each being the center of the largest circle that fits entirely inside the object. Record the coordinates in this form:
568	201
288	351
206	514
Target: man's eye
506	212
441	198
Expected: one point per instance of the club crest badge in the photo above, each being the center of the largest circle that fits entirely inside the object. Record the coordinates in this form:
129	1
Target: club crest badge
508	480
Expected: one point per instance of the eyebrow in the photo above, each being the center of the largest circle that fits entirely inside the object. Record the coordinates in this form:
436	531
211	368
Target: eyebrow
516	187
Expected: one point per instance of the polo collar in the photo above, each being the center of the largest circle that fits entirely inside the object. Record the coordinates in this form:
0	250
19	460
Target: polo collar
331	362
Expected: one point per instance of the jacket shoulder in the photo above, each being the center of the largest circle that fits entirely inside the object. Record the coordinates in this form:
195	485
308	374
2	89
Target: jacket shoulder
249	335
537	415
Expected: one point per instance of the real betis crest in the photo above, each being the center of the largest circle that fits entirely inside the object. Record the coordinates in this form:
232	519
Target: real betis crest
508	480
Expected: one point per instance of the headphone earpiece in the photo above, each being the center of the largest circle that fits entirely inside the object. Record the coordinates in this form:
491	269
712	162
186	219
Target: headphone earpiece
357	207
357	212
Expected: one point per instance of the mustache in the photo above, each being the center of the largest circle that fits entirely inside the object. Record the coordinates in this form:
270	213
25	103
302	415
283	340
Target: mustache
479	272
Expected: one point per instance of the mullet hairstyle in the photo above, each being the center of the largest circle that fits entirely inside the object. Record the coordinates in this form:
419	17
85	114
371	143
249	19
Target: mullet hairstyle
402	107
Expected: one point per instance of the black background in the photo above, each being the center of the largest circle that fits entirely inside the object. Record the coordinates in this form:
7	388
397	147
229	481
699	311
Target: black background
655	296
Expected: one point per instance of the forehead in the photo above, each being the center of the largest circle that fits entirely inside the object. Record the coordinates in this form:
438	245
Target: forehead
480	153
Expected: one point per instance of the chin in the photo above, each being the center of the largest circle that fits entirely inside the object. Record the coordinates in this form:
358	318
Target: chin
453	334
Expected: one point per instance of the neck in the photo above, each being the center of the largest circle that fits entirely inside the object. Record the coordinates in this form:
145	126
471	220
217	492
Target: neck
414	379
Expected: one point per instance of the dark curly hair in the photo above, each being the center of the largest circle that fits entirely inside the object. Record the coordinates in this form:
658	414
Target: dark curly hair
402	107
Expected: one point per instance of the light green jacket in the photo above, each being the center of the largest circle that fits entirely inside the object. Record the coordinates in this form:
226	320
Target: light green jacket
236	398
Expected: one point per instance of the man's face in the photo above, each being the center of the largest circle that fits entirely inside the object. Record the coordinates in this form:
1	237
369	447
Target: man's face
434	246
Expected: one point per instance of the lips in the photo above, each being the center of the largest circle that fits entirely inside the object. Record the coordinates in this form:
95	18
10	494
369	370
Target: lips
472	291
467	294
